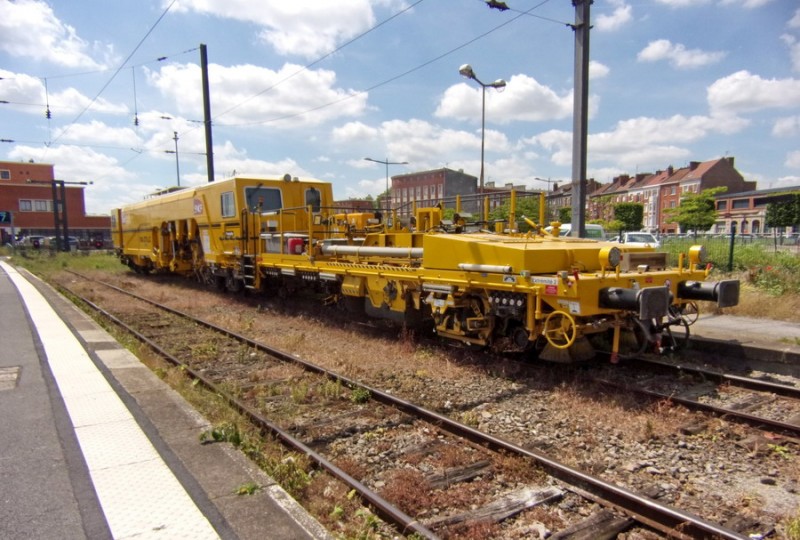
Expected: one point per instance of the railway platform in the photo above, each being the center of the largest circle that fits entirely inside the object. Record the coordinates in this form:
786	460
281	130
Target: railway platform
94	445
760	343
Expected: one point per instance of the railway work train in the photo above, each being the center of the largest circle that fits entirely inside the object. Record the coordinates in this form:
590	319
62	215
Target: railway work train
490	288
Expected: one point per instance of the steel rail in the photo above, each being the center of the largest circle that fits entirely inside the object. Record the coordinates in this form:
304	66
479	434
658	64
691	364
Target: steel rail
737	380
383	508
720	411
671	521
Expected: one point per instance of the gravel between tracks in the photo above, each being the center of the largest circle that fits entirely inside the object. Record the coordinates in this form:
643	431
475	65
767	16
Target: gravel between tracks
703	465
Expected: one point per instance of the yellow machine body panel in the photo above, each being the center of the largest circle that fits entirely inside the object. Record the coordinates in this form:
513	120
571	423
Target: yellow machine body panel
481	288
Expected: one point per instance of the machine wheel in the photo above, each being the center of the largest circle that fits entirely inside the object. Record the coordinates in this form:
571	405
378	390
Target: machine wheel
560	329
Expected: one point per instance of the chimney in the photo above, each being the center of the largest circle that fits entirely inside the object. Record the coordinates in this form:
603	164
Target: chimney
555	186
730	160
670	170
693	165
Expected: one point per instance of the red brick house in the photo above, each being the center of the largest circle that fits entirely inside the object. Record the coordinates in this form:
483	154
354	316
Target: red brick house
27	204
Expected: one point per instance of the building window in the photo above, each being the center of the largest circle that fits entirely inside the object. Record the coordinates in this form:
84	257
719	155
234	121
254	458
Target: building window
739	204
672	190
227	205
5	174
42	206
25	205
722	205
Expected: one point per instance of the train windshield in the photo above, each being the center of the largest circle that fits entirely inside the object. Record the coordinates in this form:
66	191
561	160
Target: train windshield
263	199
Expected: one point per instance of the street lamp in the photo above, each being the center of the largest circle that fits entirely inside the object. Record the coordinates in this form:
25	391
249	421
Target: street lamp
387	163
543	180
499	84
177	162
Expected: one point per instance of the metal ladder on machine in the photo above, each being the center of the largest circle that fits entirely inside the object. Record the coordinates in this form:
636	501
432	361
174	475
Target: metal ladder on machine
248	255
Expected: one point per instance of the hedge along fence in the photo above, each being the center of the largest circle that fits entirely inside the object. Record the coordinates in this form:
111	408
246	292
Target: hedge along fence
772	266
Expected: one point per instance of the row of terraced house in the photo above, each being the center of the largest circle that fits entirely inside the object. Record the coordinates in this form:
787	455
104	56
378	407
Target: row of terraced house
740	207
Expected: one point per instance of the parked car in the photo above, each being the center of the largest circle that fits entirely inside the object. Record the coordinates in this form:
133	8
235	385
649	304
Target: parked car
593	231
73	241
637	239
33	241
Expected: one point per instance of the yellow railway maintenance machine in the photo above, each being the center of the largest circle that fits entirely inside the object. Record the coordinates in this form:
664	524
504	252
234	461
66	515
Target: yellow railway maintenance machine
504	289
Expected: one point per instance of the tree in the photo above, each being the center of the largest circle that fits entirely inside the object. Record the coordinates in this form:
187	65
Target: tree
526	206
565	214
697	211
630	214
784	213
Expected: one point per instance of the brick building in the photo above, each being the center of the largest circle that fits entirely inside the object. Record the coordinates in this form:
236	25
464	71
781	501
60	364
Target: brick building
663	190
27	203
427	188
746	211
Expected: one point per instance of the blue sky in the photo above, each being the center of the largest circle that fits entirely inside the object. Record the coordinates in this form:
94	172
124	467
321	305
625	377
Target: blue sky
312	87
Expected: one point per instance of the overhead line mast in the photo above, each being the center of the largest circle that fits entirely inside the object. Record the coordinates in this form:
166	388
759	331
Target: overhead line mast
207	113
580	125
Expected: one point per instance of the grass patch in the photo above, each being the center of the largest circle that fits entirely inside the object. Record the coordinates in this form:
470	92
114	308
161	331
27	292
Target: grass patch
46	263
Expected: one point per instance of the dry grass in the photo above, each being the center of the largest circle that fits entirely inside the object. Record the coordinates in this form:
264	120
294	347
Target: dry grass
756	303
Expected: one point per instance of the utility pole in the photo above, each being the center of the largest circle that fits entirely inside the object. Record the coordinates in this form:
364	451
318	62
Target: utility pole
580	127
207	113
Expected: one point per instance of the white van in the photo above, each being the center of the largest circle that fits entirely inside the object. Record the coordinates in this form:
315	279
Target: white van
593	231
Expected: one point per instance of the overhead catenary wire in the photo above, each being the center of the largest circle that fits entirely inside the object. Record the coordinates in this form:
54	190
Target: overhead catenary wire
321	58
116	72
390	79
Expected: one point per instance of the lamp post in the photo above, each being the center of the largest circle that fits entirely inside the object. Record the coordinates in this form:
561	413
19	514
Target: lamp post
545	180
386	162
467	71
177	162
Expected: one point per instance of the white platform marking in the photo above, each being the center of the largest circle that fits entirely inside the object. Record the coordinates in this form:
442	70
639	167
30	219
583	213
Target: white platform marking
139	495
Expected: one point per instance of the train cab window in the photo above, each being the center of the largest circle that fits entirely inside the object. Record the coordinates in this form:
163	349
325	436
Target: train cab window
313	199
263	199
227	204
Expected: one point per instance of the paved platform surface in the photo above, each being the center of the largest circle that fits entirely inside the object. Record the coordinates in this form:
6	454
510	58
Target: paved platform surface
93	445
762	341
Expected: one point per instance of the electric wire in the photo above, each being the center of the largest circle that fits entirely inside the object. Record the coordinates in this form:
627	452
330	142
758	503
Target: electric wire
393	78
116	72
321	58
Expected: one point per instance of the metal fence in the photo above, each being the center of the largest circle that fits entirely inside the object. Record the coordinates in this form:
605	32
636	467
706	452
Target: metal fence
731	252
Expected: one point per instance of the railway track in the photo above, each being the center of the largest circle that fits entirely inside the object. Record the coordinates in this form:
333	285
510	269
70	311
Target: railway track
326	416
764	405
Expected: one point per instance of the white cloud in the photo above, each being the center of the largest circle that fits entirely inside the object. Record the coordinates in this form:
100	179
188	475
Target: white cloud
682	3
786	127
30	29
794	22
749	4
743	92
678	55
113	184
524	99
793	159
598	70
309	29
640	142
30	91
354	132
99	134
229	160
254	95
794	50
622	15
